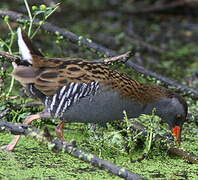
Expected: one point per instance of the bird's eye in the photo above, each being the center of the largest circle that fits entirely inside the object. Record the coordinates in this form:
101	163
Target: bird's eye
179	117
178	120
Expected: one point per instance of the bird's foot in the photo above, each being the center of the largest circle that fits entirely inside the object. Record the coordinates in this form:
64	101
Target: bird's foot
8	147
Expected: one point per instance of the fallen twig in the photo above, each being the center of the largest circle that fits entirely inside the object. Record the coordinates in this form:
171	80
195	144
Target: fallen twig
4	113
9	56
191	158
99	48
70	148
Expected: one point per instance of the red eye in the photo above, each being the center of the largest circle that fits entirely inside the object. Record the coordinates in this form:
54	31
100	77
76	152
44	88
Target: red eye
179	116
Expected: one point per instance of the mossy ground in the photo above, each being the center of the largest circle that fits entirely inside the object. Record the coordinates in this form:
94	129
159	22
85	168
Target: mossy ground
31	160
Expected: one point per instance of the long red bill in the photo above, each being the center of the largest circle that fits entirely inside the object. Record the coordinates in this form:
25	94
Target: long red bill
177	133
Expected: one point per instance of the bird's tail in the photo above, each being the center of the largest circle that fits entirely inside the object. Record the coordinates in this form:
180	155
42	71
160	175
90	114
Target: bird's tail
25	73
26	47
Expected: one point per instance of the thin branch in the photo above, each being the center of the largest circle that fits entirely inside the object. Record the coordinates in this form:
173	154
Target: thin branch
191	158
9	56
159	7
99	48
4	112
67	147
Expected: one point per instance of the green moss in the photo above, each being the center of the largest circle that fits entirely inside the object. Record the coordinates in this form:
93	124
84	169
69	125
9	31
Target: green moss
33	161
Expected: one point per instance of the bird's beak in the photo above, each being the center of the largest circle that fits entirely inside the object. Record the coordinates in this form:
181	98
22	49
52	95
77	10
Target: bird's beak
177	134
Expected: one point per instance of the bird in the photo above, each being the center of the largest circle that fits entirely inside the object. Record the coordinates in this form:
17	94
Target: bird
78	90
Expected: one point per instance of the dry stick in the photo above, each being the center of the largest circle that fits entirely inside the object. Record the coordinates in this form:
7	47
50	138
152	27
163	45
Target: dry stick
99	48
70	148
4	112
9	56
191	158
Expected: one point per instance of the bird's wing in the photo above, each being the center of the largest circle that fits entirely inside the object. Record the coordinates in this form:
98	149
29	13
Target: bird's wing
49	75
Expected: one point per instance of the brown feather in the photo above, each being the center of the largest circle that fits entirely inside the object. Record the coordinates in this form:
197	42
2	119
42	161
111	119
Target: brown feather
49	75
24	74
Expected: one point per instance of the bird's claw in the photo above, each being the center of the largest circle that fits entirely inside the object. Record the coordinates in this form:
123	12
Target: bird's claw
8	147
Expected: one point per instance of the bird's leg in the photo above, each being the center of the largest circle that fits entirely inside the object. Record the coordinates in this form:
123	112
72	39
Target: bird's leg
60	133
27	121
16	138
60	130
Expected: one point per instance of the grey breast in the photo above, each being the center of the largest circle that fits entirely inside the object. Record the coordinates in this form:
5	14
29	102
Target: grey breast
104	106
90	103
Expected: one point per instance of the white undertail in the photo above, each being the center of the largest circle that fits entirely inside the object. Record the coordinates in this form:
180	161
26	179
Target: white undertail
23	48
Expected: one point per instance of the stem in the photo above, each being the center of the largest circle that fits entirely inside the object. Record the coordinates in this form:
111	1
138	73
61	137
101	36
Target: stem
149	137
10	88
10	51
57	5
150	140
4	43
35	32
11	39
30	17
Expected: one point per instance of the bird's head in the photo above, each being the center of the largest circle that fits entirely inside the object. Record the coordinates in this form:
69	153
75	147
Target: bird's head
170	106
175	115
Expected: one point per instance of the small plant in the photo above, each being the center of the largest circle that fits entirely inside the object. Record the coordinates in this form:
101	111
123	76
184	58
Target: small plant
135	137
124	138
43	10
7	45
18	106
104	142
